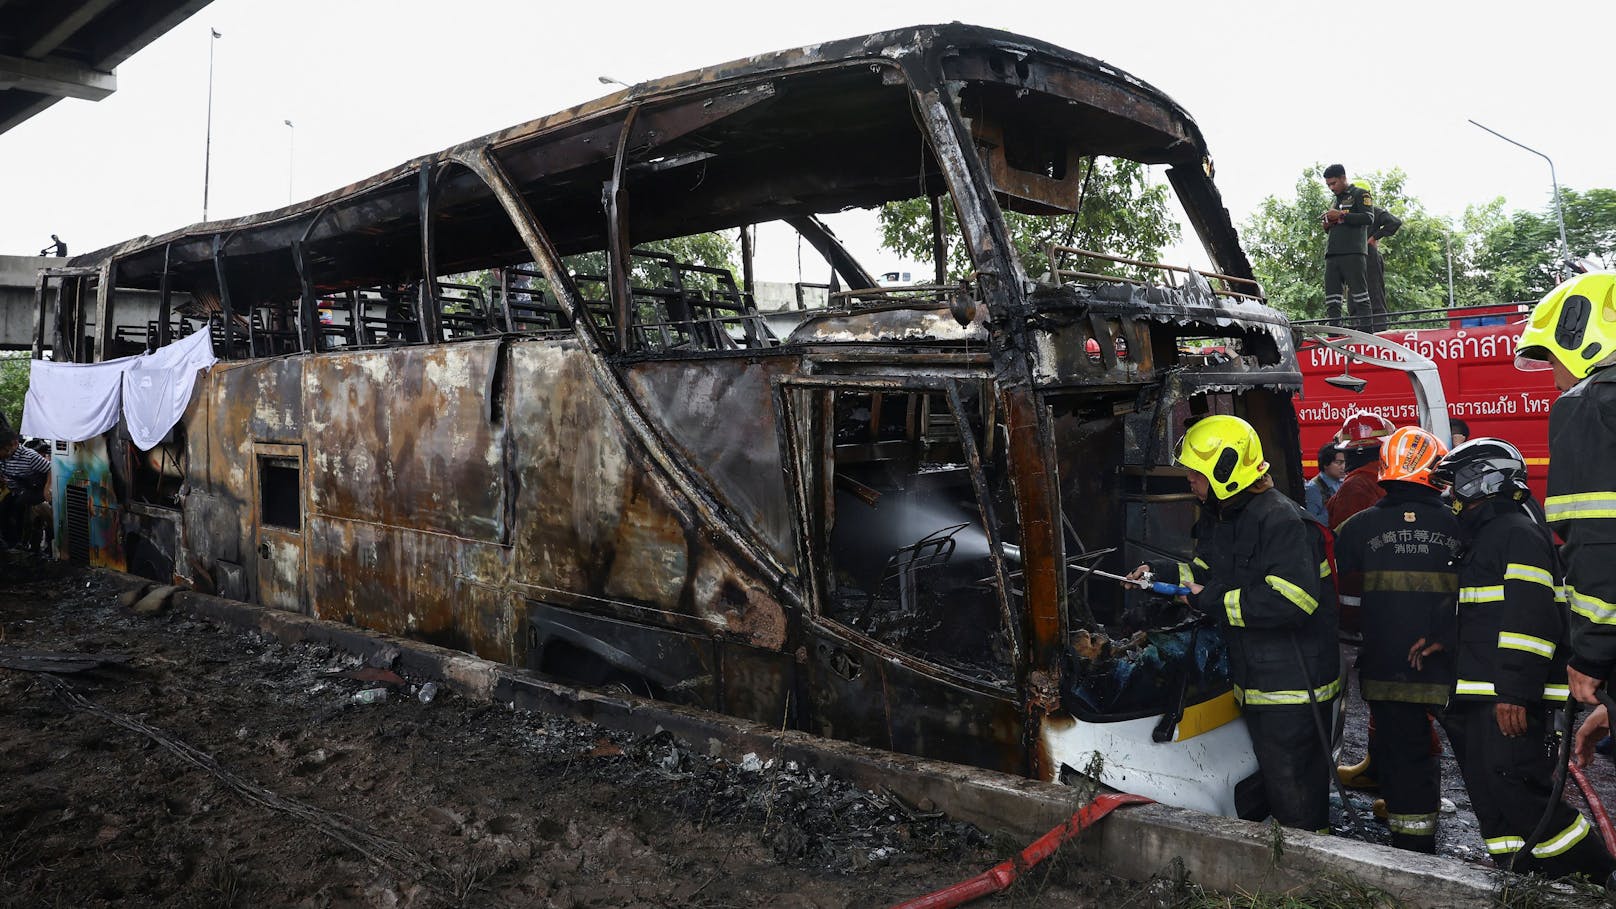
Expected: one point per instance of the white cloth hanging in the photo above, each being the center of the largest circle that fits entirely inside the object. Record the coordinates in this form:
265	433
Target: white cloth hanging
71	402
157	387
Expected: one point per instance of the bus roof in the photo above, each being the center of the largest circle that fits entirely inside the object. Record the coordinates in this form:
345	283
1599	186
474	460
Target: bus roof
773	136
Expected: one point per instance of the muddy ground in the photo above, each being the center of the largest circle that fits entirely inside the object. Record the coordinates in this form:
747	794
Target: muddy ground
216	768
296	795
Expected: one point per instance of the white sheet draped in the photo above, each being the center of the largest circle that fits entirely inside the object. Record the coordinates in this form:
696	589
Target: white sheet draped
157	387
72	402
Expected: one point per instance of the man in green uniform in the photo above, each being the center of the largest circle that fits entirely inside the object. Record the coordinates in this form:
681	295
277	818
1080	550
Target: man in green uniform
1346	250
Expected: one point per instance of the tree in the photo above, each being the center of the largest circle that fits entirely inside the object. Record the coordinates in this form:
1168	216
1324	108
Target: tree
1502	256
1285	240
1120	213
714	250
1517	257
13	387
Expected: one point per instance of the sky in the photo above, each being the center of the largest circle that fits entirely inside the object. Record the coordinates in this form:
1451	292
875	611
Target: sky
1276	88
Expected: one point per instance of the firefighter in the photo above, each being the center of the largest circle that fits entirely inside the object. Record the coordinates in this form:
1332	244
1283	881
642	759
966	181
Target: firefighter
1511	666
1260	571
1346	251
1573	331
1395	561
1360	437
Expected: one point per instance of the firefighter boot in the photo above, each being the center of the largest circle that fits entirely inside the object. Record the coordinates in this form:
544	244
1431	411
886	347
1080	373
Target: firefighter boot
1357	776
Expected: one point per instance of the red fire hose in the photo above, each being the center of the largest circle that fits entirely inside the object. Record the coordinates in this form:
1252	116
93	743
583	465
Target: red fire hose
1596	807
1004	874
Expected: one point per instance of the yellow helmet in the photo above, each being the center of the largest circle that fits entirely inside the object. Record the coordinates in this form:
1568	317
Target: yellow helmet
1574	323
1226	451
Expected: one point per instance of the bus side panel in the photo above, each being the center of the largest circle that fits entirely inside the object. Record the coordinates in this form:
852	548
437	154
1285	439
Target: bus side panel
251	401
596	518
425	586
409	437
720	416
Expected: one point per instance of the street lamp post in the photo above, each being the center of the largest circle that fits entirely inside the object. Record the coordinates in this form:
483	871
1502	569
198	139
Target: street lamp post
207	149
1447	244
1559	210
291	158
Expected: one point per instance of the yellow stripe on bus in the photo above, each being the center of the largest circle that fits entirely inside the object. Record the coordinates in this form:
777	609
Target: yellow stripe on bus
1207	716
1530	462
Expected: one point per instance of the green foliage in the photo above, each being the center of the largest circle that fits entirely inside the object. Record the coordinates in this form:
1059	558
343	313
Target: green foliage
13	387
1121	214
1286	244
1517	256
1416	257
714	250
1498	256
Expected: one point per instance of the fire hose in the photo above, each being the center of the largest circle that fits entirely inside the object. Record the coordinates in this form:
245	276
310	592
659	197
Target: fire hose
1563	769
1596	807
1002	875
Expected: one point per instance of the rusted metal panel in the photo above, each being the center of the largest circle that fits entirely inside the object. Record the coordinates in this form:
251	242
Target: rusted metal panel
905	324
718	413
598	520
864	695
427	586
210	534
409	437
249	401
279	562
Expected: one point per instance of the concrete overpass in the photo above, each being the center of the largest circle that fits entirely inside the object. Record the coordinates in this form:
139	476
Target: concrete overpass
55	49
17	277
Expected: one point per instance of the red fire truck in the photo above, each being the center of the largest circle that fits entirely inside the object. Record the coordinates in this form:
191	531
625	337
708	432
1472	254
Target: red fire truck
1474	351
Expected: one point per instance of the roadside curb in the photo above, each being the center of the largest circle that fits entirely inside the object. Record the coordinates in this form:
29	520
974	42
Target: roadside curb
1224	854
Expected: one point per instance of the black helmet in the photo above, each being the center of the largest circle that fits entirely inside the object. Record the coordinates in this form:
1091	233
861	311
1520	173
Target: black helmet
1482	468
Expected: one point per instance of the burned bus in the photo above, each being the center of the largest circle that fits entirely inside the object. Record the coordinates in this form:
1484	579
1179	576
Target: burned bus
871	519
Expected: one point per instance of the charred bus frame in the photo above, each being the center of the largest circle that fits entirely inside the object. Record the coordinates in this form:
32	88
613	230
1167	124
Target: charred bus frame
872	527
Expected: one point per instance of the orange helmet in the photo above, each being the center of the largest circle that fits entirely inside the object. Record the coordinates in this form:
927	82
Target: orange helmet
1408	454
1363	430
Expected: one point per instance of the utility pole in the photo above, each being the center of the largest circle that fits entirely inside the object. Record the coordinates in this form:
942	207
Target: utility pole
207	152
1559	210
1447	244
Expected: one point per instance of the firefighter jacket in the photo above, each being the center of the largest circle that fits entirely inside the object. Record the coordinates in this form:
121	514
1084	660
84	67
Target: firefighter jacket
1352	234
1395	560
1358	490
1512	624
1267	584
1581	507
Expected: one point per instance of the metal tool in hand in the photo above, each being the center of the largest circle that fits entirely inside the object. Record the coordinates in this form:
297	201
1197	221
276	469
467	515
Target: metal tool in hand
1145	582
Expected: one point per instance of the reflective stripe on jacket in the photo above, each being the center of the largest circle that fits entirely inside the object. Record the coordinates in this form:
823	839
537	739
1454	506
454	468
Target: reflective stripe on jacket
1512	623
1581	507
1267	582
1396	558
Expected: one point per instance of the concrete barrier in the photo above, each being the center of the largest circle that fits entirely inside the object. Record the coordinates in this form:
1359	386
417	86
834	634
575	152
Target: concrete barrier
1136	843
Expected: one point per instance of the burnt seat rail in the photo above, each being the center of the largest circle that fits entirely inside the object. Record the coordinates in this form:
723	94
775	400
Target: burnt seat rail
1169	275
